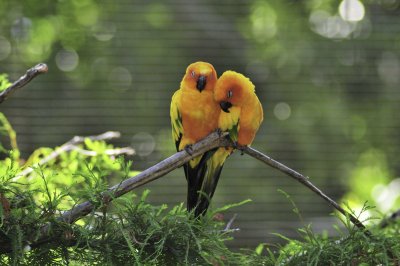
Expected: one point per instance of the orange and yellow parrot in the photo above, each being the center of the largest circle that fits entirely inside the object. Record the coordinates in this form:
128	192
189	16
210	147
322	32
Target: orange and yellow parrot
241	117
194	115
242	111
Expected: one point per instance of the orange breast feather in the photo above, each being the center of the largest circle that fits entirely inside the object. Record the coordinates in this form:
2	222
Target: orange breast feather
199	115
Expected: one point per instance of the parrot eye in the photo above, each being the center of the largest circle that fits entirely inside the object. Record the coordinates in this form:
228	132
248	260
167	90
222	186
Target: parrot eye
193	74
230	94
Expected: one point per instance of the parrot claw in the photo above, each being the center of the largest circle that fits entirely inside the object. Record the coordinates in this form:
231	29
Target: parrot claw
188	149
239	147
219	131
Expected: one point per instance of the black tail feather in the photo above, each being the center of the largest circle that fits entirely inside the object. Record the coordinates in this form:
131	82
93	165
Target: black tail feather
195	177
200	191
205	196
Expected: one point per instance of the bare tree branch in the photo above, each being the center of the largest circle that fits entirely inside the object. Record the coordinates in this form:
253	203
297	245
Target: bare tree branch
22	81
68	146
304	180
110	152
215	139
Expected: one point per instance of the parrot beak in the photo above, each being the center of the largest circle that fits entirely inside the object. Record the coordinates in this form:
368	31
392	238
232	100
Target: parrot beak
201	83
225	106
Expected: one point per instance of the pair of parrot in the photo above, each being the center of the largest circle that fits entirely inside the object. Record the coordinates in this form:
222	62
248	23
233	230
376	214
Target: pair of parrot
202	104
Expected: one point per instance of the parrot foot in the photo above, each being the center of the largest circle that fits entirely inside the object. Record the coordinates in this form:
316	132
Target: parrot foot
219	131
239	147
188	149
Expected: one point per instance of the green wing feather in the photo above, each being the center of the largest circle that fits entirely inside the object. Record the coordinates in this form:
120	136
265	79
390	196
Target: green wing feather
176	119
233	132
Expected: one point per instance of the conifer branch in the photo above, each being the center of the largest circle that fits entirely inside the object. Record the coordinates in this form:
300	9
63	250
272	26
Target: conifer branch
22	81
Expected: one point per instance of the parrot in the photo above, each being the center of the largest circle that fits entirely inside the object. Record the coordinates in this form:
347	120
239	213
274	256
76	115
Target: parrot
194	115
241	115
242	110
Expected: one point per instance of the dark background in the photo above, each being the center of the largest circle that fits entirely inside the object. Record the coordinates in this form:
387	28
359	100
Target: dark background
326	72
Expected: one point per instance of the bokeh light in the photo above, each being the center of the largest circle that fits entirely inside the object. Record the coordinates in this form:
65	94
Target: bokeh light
104	31
86	12
67	60
263	21
120	79
333	27
158	15
143	143
389	68
351	10
386	195
20	28
5	48
282	111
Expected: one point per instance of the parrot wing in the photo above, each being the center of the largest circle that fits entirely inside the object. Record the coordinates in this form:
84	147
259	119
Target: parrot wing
176	119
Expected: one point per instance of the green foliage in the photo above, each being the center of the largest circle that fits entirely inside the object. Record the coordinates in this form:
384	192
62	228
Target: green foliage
7	130
133	232
4	83
371	180
127	231
130	231
154	235
352	247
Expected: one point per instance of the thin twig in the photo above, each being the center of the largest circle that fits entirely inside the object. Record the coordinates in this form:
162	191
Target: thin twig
110	152
230	222
22	81
68	146
305	181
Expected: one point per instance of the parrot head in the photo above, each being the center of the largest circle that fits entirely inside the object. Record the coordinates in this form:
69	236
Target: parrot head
200	76
233	89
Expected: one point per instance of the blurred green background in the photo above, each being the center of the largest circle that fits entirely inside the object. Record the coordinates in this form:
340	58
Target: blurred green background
327	73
